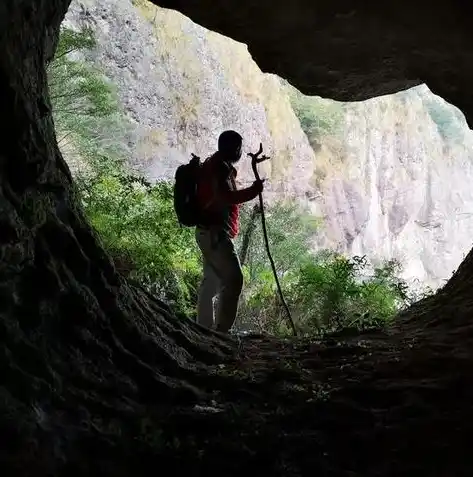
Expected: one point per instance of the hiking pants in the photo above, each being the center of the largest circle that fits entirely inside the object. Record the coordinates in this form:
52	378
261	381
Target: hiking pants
222	277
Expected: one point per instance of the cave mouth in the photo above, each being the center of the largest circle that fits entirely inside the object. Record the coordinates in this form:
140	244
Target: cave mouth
98	376
405	138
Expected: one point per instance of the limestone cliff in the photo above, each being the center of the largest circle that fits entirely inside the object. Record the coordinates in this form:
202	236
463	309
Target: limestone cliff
181	85
376	171
399	184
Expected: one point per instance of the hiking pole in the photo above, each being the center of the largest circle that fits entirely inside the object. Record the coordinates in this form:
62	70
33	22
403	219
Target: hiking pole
255	160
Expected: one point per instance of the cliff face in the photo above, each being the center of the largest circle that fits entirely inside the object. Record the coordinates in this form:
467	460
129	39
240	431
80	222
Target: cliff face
376	171
181	85
400	185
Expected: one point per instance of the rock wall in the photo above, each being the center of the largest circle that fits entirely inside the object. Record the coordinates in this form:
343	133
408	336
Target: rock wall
181	85
401	187
389	184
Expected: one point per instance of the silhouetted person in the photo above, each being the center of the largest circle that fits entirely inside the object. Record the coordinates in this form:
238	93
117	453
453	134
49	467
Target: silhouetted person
219	196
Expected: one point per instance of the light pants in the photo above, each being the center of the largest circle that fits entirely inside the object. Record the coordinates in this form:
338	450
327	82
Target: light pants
222	277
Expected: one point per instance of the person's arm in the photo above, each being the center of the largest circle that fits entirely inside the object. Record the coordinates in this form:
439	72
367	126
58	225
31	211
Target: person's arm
224	194
239	196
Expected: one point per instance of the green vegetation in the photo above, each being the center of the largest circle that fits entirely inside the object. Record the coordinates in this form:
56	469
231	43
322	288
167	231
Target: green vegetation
325	291
134	219
85	105
319	117
136	223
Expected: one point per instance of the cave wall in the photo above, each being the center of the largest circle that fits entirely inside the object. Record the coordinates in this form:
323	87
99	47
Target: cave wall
34	178
349	50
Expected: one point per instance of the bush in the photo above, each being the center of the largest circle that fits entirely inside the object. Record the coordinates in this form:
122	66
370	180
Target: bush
290	231
325	291
134	219
335	292
137	224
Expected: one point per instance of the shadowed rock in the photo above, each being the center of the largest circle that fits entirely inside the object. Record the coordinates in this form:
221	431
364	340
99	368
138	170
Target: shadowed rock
349	50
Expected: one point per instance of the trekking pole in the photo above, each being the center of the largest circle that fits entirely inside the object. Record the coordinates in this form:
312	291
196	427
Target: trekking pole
255	160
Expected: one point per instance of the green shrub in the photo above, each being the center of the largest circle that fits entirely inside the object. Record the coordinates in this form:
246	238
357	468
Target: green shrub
325	291
335	292
137	224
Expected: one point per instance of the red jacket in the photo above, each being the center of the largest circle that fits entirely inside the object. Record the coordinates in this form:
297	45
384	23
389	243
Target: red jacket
218	194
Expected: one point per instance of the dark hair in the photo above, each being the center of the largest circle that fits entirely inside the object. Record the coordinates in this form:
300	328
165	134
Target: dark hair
229	144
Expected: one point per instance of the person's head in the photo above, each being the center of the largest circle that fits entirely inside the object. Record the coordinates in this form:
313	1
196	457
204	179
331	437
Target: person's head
229	145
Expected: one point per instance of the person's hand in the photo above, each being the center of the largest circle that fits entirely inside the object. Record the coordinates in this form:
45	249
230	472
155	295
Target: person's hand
259	186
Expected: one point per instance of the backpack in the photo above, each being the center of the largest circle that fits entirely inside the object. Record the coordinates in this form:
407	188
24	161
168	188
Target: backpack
185	193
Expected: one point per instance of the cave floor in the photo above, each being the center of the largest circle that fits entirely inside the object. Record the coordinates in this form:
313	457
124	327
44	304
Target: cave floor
373	405
363	405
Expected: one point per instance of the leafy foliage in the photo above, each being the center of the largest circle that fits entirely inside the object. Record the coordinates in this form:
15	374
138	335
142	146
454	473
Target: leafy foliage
76	87
319	117
290	230
137	224
85	105
331	293
325	291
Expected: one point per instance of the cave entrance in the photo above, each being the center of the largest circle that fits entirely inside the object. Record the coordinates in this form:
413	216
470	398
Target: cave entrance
368	177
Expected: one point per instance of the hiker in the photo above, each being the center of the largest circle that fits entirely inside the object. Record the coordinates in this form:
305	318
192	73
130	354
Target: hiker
219	198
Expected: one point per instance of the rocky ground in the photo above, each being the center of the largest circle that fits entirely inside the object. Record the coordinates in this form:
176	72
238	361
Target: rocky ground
372	404
359	406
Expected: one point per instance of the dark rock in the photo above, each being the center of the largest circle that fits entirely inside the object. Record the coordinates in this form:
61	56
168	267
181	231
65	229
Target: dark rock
349	50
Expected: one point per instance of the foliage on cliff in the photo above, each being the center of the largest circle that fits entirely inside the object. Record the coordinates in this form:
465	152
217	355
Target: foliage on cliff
320	118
